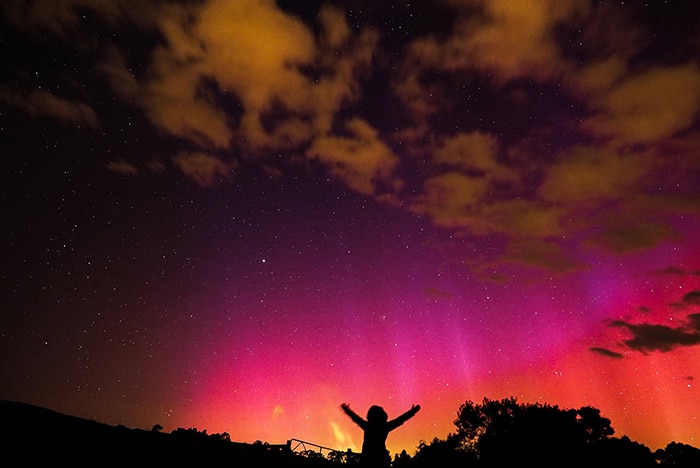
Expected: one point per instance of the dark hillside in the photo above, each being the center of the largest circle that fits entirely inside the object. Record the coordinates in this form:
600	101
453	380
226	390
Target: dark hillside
34	436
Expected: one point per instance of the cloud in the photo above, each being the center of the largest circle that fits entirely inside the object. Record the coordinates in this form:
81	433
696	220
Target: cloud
648	106
57	16
361	159
64	17
122	80
452	199
156	166
544	255
624	234
535	124
254	50
123	167
607	353
120	166
42	103
507	39
247	52
204	169
437	293
469	187
283	85
623	238
342	63
648	337
475	152
586	176
499	39
462	201
475	183
678	271
689	300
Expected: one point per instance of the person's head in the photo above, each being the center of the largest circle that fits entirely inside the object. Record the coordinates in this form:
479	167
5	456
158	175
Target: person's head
377	414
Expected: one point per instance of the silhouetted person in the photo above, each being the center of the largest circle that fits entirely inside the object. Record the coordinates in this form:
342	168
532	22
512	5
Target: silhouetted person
377	428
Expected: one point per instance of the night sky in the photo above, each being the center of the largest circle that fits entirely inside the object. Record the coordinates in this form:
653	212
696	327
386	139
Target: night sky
236	216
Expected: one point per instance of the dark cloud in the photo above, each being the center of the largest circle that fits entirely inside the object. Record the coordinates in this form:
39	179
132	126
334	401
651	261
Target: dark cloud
607	353
688	300
677	271
548	256
648	337
633	236
438	293
694	320
40	103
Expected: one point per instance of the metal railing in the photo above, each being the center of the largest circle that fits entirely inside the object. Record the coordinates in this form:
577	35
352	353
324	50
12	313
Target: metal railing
296	445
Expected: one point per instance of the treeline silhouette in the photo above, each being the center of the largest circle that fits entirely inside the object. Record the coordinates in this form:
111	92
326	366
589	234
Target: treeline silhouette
504	433
492	433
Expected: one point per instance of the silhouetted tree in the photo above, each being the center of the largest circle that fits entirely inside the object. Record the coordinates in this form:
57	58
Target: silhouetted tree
313	454
445	453
619	452
223	437
348	457
503	432
596	426
678	455
401	460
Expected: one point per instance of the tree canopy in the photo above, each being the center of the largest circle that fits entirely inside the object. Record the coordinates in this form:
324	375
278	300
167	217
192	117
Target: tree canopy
507	433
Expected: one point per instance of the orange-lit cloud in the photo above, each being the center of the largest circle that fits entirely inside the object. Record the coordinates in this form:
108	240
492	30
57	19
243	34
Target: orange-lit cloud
649	106
592	175
123	167
544	255
508	39
252	53
360	160
204	169
249	78
629	234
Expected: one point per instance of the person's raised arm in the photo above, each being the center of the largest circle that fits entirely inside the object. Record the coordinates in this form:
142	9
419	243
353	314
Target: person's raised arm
394	423
354	416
